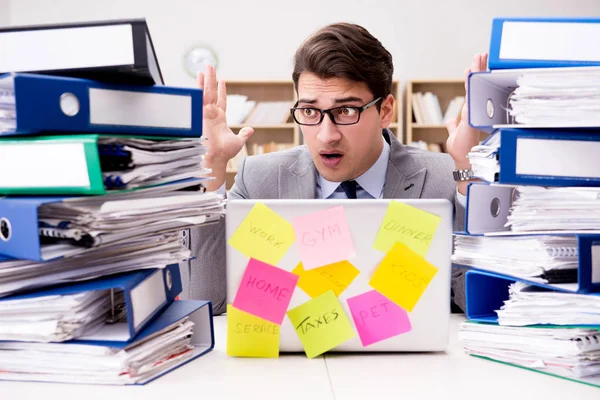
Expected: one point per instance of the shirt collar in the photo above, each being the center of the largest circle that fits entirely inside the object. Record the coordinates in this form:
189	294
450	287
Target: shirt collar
371	181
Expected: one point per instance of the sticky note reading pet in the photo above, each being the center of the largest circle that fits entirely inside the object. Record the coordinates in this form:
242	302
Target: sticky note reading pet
263	235
265	291
336	277
323	237
377	318
250	336
321	324
402	276
406	224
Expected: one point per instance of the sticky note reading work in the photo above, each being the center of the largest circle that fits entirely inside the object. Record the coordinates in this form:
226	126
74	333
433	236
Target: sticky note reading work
402	276
377	318
263	235
250	336
337	277
265	291
321	324
323	237
406	224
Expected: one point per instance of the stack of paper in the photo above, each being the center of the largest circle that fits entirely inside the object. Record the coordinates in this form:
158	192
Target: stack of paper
8	113
54	318
531	305
555	209
568	352
557	98
98	364
484	159
539	258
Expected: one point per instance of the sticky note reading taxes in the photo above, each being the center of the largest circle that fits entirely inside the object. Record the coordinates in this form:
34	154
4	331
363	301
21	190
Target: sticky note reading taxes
377	318
265	291
250	336
263	235
337	277
321	324
402	276
323	237
406	224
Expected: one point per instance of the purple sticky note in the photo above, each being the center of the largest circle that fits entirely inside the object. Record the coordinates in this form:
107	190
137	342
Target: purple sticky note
377	318
265	291
323	237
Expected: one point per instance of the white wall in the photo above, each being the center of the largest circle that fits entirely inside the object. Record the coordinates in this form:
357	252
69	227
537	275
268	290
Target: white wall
256	39
4	12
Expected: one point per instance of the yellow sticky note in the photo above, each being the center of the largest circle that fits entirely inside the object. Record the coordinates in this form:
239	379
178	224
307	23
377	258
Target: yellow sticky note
406	224
263	235
337	277
402	276
250	336
321	324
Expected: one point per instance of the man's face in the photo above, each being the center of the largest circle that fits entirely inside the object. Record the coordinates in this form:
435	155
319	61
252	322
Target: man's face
342	152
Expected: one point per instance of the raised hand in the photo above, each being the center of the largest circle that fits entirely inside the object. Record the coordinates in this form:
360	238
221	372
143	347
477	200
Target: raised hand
223	144
462	137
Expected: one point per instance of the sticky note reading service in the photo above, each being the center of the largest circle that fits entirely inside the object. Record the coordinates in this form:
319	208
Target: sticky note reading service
337	277
263	235
402	276
250	336
408	225
321	324
323	237
265	291
376	318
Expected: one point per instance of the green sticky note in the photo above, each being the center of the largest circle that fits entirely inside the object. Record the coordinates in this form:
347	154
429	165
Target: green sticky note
321	324
408	225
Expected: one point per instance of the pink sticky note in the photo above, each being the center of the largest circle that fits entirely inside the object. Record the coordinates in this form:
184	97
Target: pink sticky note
265	291
377	318
323	237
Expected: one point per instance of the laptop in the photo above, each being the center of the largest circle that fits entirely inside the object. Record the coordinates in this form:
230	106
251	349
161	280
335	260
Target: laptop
429	319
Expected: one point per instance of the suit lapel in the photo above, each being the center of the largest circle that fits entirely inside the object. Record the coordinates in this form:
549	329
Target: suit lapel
404	180
298	180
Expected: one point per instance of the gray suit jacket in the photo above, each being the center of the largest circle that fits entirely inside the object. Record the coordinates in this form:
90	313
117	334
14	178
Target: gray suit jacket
291	174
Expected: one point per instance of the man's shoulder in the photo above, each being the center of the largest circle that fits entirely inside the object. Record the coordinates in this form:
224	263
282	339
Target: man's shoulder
430	159
274	159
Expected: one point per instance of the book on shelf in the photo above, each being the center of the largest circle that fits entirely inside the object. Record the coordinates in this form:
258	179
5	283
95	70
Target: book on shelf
428	111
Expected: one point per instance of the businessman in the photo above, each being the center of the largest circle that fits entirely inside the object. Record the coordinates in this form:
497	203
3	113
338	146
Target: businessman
343	79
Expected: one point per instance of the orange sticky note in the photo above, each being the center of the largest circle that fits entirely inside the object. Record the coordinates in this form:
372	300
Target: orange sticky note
402	276
406	224
250	336
263	235
337	277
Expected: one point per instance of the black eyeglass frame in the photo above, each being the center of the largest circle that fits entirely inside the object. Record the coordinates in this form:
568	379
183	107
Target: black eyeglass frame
330	113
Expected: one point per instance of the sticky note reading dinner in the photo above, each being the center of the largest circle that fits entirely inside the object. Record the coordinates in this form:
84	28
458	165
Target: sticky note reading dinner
403	276
265	291
250	336
321	324
263	235
408	225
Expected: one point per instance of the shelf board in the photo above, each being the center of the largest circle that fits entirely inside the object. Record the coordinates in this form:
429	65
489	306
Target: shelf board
428	126
274	126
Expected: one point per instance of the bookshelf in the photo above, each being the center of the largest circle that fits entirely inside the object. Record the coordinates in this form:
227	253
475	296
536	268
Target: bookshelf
274	128
419	128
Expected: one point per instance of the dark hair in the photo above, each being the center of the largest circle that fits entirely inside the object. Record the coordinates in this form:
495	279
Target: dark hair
349	51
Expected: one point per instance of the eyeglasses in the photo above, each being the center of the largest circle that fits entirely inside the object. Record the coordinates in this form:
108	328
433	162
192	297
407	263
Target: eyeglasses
343	115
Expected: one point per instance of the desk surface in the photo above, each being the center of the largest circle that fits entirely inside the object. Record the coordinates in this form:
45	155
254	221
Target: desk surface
448	375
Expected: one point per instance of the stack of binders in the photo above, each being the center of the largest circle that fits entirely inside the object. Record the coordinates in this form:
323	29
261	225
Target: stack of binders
532	227
102	171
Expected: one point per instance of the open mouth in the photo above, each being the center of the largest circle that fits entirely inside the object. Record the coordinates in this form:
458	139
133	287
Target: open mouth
332	156
331	159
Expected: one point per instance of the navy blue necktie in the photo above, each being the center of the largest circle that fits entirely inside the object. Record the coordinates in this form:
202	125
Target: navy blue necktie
349	188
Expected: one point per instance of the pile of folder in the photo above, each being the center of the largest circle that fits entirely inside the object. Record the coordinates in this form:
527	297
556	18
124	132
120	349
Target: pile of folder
532	225
102	176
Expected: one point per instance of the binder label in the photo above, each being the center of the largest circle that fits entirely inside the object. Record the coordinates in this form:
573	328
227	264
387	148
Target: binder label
596	264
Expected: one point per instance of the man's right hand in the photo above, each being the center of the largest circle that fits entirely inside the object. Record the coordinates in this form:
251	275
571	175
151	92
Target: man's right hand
222	143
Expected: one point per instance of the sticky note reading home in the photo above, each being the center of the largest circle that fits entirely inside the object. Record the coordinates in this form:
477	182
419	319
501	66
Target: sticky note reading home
263	235
408	225
250	336
403	276
323	237
321	324
377	318
265	291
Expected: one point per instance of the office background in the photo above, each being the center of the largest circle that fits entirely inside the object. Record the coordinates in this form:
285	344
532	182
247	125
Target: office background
429	39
